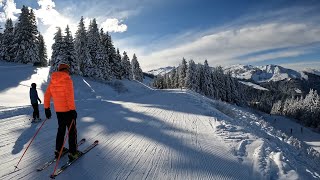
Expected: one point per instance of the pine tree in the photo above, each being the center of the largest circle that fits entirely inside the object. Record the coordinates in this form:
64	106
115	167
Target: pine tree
70	53
7	52
125	61
276	108
58	53
207	81
220	83
174	78
26	38
200	78
82	53
42	51
111	53
103	58
93	47
136	70
191	81
119	71
182	73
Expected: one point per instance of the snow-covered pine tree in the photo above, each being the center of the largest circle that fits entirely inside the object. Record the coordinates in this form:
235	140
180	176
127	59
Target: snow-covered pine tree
173	77
82	53
1	47
26	38
182	73
191	81
111	53
57	55
125	61
207	80
276	108
168	81
220	83
136	70
200	78
159	82
7	52
234	90
42	51
103	58
215	82
118	69
70	53
93	47
311	109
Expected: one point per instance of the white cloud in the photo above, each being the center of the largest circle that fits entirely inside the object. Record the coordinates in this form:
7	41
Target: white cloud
312	64
47	4
10	10
113	25
275	55
51	18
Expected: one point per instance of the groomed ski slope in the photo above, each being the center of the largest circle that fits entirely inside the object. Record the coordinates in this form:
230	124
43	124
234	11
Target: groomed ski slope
150	134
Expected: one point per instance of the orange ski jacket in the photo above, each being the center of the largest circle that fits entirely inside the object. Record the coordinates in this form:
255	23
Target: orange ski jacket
61	90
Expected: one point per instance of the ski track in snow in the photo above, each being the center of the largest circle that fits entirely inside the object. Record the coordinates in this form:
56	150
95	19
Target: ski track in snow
156	134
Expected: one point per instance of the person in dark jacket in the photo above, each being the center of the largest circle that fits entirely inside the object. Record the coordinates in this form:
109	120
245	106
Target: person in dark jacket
34	98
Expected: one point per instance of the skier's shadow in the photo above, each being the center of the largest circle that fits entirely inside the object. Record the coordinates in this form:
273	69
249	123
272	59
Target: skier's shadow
24	138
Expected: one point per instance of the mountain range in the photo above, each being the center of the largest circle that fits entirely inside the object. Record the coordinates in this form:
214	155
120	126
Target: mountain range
269	77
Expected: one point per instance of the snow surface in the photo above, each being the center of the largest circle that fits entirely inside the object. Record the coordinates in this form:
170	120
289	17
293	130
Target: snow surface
256	86
145	133
264	73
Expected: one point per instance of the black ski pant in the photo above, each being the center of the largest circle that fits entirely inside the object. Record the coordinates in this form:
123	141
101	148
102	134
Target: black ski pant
64	121
35	110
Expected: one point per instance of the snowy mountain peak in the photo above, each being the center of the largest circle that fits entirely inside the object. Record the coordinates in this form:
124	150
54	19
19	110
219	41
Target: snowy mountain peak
160	71
264	73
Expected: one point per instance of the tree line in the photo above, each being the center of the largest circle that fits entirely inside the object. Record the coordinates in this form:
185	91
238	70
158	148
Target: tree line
305	109
91	53
201	78
216	84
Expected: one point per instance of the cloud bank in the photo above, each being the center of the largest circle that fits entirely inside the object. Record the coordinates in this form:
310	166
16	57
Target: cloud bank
10	10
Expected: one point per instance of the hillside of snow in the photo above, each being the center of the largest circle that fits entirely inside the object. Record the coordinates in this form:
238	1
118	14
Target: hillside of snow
160	71
265	73
145	133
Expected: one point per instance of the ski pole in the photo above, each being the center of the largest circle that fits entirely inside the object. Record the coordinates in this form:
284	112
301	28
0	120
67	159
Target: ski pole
57	162
30	143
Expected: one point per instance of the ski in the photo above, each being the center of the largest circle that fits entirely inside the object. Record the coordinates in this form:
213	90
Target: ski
47	164
65	166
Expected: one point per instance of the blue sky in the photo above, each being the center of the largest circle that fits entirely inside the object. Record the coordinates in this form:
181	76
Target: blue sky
225	32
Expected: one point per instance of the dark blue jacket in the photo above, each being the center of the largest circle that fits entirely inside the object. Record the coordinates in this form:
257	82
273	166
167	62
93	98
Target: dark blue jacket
34	96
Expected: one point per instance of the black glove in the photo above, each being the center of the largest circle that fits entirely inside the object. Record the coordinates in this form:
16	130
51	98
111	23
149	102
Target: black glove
73	114
48	112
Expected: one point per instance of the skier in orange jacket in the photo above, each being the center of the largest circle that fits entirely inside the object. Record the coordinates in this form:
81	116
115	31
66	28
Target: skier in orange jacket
60	89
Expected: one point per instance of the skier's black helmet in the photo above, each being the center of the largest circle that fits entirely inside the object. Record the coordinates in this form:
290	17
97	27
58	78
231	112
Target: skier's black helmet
33	85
